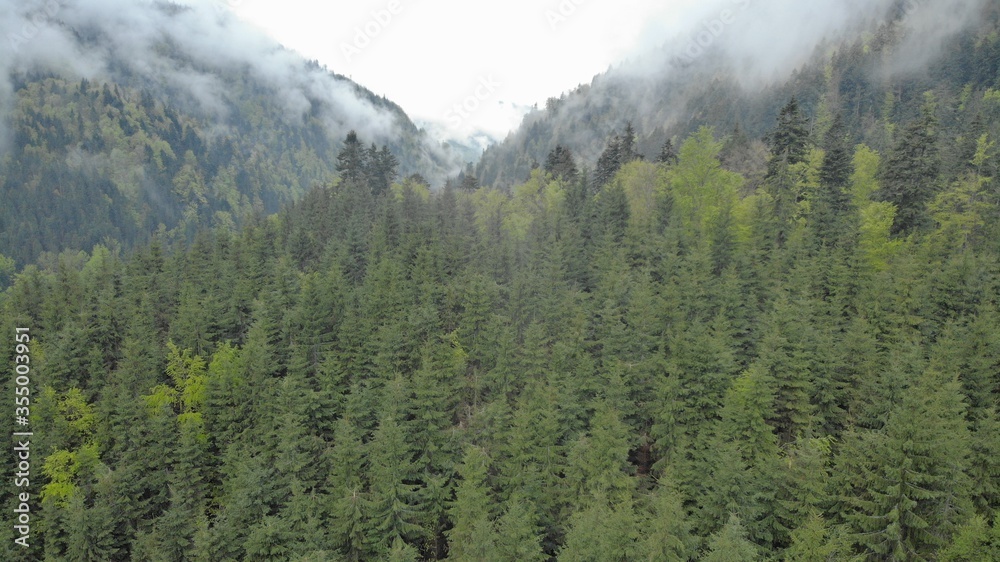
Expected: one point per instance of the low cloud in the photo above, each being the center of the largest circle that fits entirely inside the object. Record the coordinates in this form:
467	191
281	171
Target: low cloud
183	50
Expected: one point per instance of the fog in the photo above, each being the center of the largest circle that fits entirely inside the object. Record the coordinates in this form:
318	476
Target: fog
184	49
758	43
180	49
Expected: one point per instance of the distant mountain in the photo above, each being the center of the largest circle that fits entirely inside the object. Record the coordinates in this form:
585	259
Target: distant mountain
123	118
872	70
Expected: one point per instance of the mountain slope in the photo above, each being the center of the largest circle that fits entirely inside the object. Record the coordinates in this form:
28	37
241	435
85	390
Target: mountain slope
873	71
116	134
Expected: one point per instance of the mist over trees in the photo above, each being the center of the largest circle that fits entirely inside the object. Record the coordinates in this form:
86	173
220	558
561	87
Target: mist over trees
661	367
721	342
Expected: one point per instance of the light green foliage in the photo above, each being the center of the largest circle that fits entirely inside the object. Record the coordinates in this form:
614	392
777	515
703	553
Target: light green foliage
644	183
875	242
186	396
421	191
864	179
731	545
535	202
701	187
63	469
961	211
975	541
489	208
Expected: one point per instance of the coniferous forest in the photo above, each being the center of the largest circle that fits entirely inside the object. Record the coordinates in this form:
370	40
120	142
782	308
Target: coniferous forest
662	367
781	346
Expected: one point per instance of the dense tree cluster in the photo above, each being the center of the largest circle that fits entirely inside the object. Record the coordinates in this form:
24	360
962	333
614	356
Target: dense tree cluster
670	367
98	163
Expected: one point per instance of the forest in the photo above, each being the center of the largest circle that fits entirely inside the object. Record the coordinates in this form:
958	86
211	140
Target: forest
653	360
141	163
672	319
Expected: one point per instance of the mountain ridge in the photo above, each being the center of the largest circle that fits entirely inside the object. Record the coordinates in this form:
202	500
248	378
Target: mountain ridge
667	96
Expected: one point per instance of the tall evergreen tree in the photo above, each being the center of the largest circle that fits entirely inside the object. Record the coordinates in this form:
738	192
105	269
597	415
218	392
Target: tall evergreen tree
559	163
352	160
833	202
909	174
668	154
790	139
911	486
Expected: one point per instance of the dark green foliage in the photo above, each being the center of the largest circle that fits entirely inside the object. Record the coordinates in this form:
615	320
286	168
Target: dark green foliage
619	151
560	164
668	154
909	175
833	202
790	139
352	160
689	363
88	163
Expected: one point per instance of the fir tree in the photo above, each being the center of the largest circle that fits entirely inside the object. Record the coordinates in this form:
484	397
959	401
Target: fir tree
909	174
559	163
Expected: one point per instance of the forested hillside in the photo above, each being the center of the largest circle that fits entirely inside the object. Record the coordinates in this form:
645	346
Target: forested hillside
873	74
674	318
171	135
670	363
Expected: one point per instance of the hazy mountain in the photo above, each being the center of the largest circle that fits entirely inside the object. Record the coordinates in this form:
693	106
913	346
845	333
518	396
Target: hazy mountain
773	342
120	118
871	61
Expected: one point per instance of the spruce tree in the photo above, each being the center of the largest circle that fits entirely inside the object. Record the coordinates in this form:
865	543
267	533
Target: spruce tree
668	154
911	486
790	139
833	202
559	163
909	173
352	160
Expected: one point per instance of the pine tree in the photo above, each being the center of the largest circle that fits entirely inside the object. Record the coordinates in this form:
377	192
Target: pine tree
352	160
789	141
518	536
382	169
667	532
975	541
668	154
833	202
598	463
467	180
909	174
349	526
731	545
559	163
814	541
472	538
391	505
911	488
620	150
603	533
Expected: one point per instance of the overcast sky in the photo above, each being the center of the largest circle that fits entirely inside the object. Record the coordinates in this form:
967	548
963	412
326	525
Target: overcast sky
496	58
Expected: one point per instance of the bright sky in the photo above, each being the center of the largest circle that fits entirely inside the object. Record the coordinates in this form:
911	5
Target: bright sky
467	65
